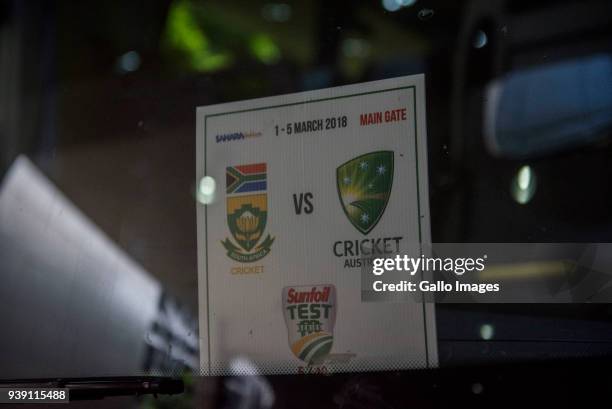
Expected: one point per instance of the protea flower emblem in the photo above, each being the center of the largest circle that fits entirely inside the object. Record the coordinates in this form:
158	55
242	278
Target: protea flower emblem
247	213
247	225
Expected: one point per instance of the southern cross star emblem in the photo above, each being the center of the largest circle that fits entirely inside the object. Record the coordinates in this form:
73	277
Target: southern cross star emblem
364	185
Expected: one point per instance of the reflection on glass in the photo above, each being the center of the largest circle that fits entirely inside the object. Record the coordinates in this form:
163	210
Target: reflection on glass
524	185
206	190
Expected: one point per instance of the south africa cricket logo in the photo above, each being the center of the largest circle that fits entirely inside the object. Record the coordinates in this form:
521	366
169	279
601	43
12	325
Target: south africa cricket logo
247	213
364	186
310	315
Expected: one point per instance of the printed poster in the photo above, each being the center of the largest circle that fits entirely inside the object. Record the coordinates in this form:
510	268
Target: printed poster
309	188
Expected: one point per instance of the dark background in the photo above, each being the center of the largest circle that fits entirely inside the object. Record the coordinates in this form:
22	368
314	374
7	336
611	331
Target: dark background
101	97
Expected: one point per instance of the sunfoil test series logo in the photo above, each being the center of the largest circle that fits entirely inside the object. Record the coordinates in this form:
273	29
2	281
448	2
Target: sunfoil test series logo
247	214
310	315
364	186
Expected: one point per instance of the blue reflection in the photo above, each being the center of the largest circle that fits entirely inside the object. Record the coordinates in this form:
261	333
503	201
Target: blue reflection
549	108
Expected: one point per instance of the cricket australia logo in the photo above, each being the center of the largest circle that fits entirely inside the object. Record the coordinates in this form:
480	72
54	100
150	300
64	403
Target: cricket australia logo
364	186
247	213
310	315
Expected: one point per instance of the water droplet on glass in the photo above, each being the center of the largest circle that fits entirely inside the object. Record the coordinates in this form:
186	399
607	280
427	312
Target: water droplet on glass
205	192
128	62
394	5
487	331
523	185
425	14
480	39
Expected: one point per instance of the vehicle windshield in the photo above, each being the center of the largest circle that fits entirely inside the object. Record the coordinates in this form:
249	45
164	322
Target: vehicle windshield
308	202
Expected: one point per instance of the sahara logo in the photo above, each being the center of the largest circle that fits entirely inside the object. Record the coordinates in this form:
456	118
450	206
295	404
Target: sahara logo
247	214
236	136
364	186
310	315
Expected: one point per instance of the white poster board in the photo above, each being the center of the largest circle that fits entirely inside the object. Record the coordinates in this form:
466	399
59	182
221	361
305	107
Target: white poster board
309	186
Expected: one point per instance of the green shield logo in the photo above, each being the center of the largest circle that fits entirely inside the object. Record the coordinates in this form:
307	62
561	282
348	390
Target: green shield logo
247	214
364	186
248	220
